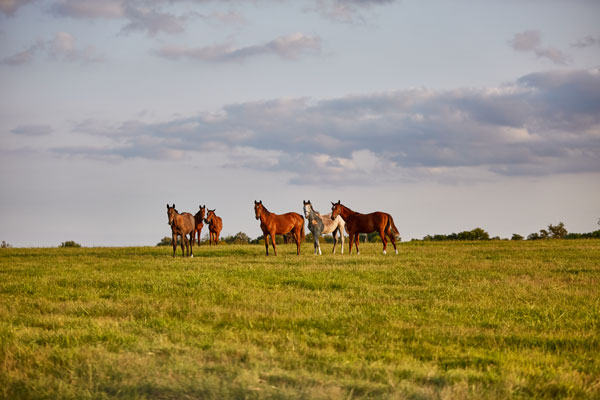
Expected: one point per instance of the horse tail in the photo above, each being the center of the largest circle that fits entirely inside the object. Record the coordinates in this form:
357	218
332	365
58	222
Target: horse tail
391	225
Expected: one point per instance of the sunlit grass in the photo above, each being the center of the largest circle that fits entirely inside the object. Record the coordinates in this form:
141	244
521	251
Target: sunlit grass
441	320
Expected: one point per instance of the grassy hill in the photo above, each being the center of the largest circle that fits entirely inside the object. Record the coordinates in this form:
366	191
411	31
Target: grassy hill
492	319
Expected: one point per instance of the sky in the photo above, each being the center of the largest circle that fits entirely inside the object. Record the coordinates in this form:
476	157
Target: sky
447	115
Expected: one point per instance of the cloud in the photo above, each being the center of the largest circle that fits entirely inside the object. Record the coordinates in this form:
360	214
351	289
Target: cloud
32	130
345	10
530	42
23	57
544	123
10	7
588	41
89	8
153	22
288	47
526	41
141	16
62	47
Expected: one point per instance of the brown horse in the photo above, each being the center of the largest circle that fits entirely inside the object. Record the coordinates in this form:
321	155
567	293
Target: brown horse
274	224
215	224
357	223
199	222
181	225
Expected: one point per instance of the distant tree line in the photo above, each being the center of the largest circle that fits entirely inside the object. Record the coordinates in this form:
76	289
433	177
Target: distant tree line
552	232
475	234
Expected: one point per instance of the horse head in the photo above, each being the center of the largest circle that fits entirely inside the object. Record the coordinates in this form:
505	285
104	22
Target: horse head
336	209
258	208
210	216
307	208
171	212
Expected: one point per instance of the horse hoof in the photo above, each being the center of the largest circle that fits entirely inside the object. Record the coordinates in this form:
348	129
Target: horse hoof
384	252
396	252
192	256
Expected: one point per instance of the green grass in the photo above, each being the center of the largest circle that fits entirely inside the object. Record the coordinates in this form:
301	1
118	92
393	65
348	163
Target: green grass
441	320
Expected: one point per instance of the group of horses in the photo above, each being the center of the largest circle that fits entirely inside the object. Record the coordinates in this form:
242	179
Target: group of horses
185	224
291	224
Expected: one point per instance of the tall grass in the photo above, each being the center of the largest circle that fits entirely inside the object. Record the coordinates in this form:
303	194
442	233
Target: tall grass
441	320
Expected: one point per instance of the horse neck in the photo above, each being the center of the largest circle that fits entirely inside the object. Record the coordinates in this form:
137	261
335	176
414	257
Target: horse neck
346	212
177	220
265	215
313	214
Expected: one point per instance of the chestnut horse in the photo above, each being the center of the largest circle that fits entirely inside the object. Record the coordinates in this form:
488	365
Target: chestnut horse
357	223
181	225
275	224
215	224
199	221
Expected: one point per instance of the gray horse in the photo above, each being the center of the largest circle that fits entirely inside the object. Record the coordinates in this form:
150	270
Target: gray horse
321	224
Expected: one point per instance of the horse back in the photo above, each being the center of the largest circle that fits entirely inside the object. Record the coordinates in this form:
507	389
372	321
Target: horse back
367	223
184	224
284	223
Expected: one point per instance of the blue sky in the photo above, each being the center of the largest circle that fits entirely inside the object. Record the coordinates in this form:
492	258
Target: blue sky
448	115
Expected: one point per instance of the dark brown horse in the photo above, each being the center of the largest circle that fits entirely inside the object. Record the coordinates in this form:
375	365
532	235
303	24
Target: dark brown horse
357	223
215	224
181	225
275	224
199	222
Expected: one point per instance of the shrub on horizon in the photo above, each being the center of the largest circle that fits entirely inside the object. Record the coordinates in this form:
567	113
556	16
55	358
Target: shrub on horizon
70	243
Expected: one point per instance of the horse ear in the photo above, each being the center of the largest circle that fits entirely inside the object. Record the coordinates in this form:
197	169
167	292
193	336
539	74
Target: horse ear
173	205
167	206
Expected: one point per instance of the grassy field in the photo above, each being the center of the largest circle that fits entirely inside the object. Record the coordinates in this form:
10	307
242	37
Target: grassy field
493	319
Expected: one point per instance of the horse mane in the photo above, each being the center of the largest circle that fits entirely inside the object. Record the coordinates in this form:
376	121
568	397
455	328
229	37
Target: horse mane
349	209
265	209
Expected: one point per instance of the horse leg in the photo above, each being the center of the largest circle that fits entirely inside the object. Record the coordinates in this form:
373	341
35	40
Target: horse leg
334	233
193	237
341	229
174	243
183	240
266	235
383	239
318	243
273	241
356	240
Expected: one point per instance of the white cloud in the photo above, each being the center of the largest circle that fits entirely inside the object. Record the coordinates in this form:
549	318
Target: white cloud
588	41
32	130
62	47
530	42
10	7
539	125
288	47
348	11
